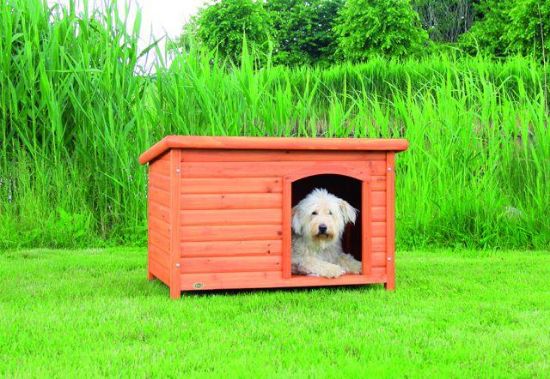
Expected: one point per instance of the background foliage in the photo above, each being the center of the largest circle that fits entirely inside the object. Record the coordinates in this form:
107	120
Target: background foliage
303	30
322	31
379	27
223	26
510	27
75	115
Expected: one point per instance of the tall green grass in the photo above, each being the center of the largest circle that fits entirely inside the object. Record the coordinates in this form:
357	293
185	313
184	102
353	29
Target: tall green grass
75	115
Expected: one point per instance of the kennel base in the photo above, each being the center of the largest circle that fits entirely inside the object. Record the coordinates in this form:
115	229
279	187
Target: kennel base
219	208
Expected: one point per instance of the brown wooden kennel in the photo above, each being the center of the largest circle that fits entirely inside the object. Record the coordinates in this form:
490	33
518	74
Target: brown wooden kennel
219	208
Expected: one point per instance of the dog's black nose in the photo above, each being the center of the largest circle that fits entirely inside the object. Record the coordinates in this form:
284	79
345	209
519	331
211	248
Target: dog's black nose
322	228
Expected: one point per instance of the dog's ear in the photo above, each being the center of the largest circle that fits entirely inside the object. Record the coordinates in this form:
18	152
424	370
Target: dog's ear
348	212
296	223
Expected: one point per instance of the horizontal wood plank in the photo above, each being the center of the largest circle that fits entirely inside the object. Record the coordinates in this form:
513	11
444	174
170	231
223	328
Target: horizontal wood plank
278	155
230	185
230	233
159	240
231	264
160	181
159	226
159	196
378	229
158	271
378	214
378	198
254	169
159	211
230	248
231	201
231	217
378	244
273	279
378	259
158	258
377	183
161	167
159	252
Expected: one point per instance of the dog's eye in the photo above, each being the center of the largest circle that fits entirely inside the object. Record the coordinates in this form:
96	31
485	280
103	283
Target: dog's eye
330	213
314	213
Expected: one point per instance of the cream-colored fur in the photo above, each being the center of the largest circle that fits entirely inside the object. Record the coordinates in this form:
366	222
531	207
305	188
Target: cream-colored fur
318	223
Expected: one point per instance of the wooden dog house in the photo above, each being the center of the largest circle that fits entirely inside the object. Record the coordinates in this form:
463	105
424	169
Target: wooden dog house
219	208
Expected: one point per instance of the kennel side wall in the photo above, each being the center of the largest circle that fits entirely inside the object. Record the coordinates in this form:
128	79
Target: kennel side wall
230	215
159	218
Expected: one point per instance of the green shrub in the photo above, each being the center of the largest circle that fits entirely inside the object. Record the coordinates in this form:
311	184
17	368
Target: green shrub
223	26
389	28
303	30
509	27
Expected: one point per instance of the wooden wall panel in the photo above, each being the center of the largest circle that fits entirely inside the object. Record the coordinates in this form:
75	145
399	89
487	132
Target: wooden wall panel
231	185
231	264
158	215
231	217
263	169
230	233
279	156
231	201
230	248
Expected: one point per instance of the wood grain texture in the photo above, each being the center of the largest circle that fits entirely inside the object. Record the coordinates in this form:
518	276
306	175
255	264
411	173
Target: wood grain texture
160	181
231	201
231	264
175	176
230	233
159	227
158	214
366	235
231	217
378	244
230	248
287	228
230	185
213	281
390	225
217	208
158	195
279	169
159	272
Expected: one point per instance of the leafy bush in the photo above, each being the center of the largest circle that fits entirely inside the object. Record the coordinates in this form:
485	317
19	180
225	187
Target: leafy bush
510	27
379	27
303	30
224	25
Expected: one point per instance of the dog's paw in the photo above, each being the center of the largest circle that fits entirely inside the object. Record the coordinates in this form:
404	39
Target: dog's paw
332	271
355	267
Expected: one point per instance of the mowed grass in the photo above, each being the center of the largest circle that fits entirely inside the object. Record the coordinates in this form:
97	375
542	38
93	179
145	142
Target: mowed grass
460	313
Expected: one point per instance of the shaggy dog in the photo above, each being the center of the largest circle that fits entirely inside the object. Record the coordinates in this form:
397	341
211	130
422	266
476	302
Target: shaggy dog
318	223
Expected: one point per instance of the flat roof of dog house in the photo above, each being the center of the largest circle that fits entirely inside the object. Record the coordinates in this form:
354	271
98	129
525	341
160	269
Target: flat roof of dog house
219	208
271	143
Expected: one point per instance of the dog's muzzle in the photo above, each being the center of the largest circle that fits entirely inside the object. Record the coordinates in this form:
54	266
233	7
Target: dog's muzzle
323	233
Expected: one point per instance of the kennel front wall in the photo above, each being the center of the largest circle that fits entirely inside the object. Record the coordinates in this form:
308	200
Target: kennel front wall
219	208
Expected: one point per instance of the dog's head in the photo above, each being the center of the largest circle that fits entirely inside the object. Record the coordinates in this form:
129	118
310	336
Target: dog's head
321	216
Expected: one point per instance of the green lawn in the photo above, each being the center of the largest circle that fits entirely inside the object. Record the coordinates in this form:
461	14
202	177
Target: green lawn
454	313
